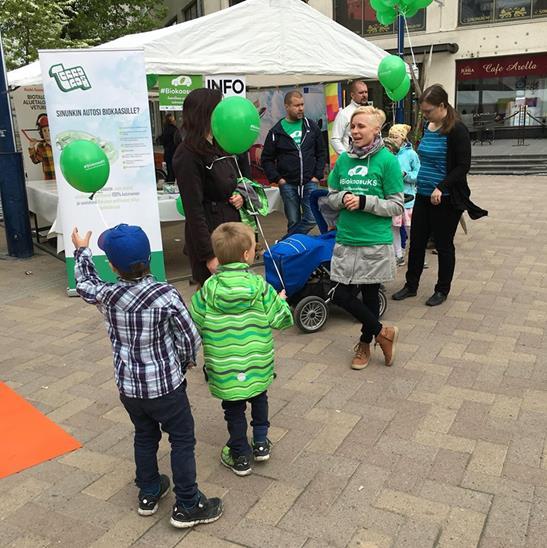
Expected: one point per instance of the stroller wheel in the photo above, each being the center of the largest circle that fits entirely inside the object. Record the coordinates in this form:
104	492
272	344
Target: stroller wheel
310	314
383	301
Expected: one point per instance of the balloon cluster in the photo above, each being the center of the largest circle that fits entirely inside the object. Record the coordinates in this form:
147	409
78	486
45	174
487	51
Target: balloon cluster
387	10
392	75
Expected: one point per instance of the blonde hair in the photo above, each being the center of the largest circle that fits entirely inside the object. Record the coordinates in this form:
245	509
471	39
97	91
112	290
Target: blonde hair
399	130
374	112
230	241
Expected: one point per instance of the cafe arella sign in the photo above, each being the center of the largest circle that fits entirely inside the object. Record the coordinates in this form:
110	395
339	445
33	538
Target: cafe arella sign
500	67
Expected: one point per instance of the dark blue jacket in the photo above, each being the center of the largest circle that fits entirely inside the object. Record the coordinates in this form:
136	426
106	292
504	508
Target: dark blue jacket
282	159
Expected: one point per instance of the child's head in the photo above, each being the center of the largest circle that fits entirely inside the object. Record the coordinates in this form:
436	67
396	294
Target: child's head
399	133
128	250
392	145
234	243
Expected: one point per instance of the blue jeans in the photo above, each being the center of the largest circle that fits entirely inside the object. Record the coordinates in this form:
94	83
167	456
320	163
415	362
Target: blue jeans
234	413
172	412
296	200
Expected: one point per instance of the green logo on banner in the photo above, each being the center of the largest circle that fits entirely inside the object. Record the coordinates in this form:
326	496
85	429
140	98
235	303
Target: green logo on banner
69	79
175	88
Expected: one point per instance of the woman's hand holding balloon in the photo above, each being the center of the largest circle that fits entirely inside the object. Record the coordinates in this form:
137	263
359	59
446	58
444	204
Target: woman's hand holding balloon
236	200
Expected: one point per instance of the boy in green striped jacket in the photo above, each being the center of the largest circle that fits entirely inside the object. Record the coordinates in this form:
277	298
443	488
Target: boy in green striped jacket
235	312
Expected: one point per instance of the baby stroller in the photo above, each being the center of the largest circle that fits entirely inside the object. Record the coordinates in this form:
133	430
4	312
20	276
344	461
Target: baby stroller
303	263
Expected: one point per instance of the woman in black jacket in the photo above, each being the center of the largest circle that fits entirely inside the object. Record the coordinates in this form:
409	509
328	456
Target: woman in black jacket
442	193
207	179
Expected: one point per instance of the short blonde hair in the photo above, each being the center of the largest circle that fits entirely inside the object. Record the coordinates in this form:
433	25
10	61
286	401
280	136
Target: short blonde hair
231	240
374	112
399	130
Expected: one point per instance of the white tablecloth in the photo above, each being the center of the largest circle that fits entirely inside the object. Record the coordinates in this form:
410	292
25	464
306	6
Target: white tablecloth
44	201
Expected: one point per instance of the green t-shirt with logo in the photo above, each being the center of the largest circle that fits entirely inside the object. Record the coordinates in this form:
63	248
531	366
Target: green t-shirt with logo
378	176
293	130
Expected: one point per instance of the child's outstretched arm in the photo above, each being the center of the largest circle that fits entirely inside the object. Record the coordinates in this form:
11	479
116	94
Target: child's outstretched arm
88	283
187	338
276	308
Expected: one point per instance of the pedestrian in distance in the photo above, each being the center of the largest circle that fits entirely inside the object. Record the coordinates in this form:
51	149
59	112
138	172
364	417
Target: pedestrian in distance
154	341
442	193
235	312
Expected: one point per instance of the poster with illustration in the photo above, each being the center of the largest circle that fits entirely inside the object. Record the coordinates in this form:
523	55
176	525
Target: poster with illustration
99	122
33	132
271	108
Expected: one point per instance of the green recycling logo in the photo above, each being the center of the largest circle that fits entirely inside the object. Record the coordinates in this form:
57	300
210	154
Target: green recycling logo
69	79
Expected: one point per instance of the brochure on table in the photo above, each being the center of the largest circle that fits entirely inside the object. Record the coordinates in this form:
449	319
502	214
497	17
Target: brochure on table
101	96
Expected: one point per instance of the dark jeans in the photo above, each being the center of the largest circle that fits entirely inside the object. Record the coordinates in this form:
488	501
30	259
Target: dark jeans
168	157
234	414
441	222
366	311
296	202
172	412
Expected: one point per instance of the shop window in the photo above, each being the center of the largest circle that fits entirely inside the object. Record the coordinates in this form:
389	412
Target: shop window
192	11
474	12
358	16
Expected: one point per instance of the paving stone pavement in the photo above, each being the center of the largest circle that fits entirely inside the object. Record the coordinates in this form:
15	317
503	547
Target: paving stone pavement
447	448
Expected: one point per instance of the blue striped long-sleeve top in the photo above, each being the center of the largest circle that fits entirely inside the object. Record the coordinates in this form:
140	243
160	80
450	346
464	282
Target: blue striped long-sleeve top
432	153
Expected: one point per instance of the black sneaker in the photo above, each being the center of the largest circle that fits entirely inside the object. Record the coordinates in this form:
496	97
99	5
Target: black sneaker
240	466
261	450
205	511
148	504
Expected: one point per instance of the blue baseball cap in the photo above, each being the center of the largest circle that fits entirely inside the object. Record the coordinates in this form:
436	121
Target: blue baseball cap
125	246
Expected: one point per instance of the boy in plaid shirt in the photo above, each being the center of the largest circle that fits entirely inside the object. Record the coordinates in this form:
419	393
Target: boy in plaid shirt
153	341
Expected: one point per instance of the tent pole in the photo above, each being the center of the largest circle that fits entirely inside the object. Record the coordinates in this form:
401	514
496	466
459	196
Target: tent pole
399	112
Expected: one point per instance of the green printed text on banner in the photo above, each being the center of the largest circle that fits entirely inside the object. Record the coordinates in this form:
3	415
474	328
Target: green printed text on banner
175	88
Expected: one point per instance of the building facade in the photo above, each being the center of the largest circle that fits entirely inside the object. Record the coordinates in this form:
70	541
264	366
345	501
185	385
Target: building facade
491	55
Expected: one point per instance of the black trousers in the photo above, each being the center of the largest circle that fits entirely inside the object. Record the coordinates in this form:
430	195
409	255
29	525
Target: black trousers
234	414
366	311
441	222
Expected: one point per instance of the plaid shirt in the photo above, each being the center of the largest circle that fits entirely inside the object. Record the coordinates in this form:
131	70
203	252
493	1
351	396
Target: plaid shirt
43	153
153	337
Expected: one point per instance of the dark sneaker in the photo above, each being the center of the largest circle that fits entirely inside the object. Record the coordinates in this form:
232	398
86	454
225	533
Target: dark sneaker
148	503
261	450
240	466
205	511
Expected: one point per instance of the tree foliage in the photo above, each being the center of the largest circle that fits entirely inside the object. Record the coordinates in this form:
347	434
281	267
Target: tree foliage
29	25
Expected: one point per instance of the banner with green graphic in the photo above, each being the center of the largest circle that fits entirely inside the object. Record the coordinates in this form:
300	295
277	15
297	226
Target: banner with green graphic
174	88
97	106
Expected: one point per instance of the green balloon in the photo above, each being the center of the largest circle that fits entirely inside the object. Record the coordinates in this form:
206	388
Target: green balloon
377	5
235	124
401	91
180	206
422	3
85	166
151	80
391	71
411	12
386	17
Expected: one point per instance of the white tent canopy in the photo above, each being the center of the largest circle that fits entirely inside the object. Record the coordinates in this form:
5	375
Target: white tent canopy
272	42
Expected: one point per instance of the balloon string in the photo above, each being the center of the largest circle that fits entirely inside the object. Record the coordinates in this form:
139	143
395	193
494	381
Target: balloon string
101	216
259	225
410	43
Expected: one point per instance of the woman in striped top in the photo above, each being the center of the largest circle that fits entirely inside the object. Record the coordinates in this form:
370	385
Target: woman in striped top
442	193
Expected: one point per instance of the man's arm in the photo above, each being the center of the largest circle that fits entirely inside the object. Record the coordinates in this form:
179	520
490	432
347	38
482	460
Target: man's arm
268	159
338	129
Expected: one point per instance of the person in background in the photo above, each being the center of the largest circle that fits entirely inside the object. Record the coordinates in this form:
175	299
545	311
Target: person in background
154	341
169	144
410	165
442	193
366	186
294	157
207	181
341	131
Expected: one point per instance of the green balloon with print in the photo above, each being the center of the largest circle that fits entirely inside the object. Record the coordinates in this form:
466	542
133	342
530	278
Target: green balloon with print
391	71
235	124
85	165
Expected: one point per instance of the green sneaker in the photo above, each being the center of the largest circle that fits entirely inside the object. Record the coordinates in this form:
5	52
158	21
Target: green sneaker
241	466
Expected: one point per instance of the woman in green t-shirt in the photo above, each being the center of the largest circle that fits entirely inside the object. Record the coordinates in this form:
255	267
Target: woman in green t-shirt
366	185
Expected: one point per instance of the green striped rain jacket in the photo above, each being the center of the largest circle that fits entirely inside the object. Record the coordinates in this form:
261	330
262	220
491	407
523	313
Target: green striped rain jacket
235	312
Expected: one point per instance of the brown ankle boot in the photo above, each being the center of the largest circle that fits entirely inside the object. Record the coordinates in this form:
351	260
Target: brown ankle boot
387	339
362	355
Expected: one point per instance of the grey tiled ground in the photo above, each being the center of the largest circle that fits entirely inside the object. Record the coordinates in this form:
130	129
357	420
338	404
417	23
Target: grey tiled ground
446	448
